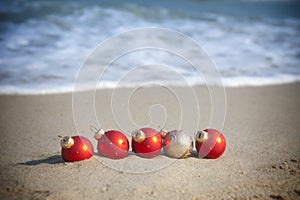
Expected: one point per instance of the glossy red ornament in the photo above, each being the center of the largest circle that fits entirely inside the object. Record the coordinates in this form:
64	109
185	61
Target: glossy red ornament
210	143
76	148
112	144
146	142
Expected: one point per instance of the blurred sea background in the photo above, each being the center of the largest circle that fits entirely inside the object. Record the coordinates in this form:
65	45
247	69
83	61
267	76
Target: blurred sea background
44	43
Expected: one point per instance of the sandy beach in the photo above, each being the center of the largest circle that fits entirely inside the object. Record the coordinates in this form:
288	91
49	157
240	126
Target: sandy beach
262	159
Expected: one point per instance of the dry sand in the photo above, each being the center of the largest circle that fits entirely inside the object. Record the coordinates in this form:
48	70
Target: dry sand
262	159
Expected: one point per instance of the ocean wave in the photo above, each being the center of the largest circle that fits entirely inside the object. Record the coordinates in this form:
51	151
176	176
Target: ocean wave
44	43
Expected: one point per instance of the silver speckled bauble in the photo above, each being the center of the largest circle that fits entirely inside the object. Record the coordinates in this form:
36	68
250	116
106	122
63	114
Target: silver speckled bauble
178	144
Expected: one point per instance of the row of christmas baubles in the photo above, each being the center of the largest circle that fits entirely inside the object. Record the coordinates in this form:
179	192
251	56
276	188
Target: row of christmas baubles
146	142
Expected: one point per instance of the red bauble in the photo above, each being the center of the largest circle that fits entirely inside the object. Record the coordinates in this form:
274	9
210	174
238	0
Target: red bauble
76	148
146	142
112	144
210	143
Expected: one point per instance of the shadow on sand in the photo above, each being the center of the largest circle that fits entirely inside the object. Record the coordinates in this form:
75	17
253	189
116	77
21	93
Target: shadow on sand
56	159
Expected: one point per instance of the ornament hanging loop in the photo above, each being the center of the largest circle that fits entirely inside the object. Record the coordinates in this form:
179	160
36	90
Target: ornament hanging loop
94	129
97	132
163	132
61	138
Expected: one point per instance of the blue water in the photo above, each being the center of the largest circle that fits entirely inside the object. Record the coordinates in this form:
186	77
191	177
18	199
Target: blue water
44	43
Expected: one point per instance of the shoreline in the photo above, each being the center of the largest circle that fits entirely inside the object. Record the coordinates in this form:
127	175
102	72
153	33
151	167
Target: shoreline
262	159
151	86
